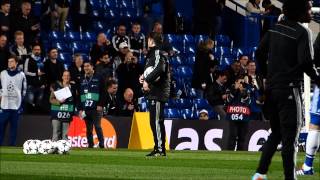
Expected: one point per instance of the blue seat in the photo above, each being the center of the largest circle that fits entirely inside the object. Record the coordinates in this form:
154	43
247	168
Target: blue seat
225	62
187	114
170	104
175	61
72	36
110	3
111	14
172	38
88	36
223	40
199	38
188	39
68	26
56	36
237	52
171	113
189	50
99	26
222	51
183	103
80	47
201	104
192	93
61	46
190	60
65	57
184	71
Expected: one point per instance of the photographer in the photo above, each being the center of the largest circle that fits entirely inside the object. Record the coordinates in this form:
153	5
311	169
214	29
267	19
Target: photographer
128	73
238	113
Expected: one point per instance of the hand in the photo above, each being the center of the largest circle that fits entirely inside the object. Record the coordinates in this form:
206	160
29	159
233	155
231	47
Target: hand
141	79
4	28
99	108
42	87
54	14
203	85
130	107
62	101
35	27
80	113
40	73
145	86
211	56
224	97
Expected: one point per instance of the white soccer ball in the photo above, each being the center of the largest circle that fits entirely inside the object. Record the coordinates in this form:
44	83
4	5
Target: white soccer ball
46	147
63	146
26	146
31	147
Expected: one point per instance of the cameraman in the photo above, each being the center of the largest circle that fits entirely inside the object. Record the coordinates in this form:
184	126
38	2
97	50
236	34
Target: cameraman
128	73
238	113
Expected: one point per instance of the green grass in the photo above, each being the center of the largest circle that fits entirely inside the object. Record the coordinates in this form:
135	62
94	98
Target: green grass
99	164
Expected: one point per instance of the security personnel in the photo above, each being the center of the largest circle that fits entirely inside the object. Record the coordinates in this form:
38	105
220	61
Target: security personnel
92	100
156	84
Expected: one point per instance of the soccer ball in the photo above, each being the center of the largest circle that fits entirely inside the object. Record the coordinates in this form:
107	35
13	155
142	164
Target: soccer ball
46	147
31	146
63	146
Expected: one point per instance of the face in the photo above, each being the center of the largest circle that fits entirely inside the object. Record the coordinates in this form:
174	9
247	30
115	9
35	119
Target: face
105	59
128	95
12	64
308	15
236	67
223	79
157	28
252	67
78	61
53	54
3	41
210	45
244	60
203	116
36	50
26	9
121	30
258	1
150	42
5	8
102	38
88	69
129	56
113	89
66	76
124	50
136	29
19	40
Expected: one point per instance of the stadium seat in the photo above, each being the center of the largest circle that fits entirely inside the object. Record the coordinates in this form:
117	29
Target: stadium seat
222	51
80	47
65	57
98	26
190	60
225	62
61	46
68	26
201	104
237	52
72	36
223	40
192	93
56	36
188	39
184	71
187	114
110	3
88	36
189	50
111	14
175	61
183	103
172	38
170	104
171	113
199	38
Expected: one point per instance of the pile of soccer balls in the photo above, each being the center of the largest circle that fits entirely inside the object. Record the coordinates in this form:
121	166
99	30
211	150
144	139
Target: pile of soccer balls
46	147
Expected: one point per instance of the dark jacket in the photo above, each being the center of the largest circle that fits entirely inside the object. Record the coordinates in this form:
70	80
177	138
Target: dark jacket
97	51
53	72
275	53
137	42
214	94
316	47
4	21
112	105
157	75
104	70
4	55
117	40
200	68
31	71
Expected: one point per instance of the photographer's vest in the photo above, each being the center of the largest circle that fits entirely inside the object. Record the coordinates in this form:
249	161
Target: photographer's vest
89	92
64	111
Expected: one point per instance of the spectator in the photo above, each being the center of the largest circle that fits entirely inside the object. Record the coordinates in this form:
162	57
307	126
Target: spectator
213	70
19	49
165	47
53	68
104	67
238	114
4	17
217	95
4	53
203	115
123	50
13	85
26	23
128	105
253	6
93	97
35	77
233	73
62	110
120	37
137	40
102	45
201	67
112	102
76	70
81	10
243	64
59	15
128	74
256	85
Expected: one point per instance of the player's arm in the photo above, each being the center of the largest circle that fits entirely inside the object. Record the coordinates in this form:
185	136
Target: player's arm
159	68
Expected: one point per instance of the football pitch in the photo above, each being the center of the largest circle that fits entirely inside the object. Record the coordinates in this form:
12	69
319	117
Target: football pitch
82	164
